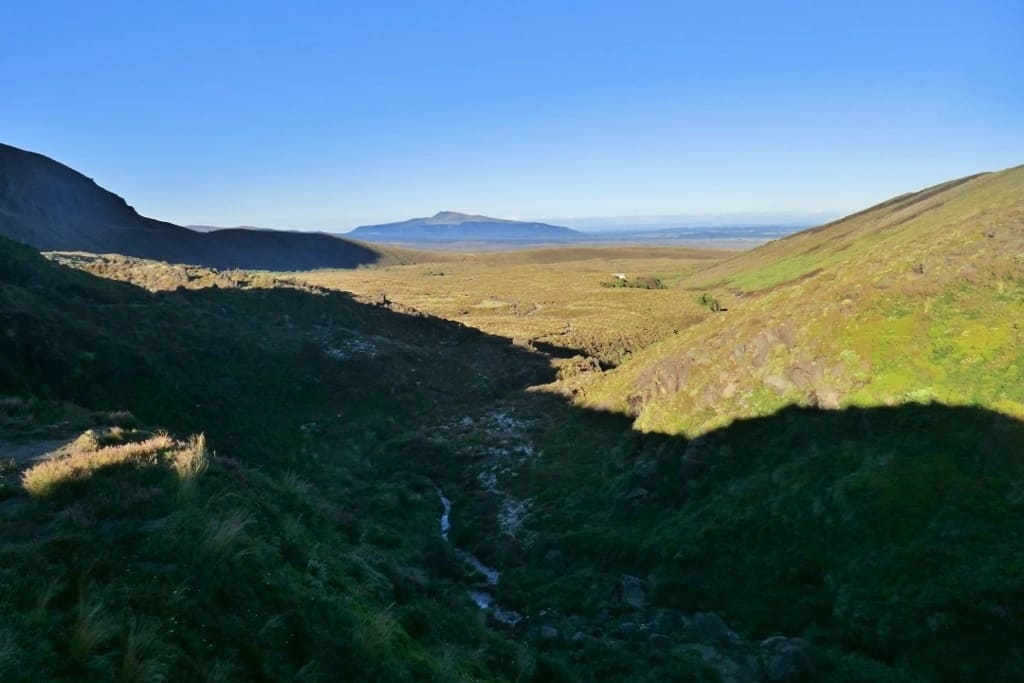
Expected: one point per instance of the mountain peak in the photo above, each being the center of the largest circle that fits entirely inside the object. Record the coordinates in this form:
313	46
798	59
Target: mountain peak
450	215
455	217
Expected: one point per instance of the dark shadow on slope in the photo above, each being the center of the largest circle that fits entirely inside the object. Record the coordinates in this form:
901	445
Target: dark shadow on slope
891	534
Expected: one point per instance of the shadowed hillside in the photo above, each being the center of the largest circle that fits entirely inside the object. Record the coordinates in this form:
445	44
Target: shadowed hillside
51	207
299	539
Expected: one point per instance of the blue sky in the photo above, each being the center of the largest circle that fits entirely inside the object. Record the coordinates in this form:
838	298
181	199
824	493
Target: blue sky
333	114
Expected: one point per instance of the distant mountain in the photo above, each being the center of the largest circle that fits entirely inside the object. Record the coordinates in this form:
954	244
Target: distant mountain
451	226
52	207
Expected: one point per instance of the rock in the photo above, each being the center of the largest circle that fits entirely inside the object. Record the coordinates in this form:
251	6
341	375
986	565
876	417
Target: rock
554	558
665	622
785	659
660	641
696	458
645	474
825	398
629	630
730	669
779	384
632	591
637	495
708	627
548	633
492	622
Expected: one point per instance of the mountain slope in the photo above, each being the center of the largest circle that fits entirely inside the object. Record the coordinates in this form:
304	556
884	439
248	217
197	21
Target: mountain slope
310	547
450	226
309	522
53	208
914	299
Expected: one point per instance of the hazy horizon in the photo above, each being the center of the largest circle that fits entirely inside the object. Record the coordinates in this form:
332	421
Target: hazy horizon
310	115
605	224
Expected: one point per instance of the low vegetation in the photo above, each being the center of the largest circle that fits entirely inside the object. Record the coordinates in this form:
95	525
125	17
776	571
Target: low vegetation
798	463
565	301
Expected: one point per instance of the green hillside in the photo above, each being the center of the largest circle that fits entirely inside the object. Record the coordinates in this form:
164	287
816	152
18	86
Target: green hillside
297	540
916	299
230	476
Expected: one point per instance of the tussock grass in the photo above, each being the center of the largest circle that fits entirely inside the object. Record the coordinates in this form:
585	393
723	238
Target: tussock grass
190	462
88	454
224	535
296	487
220	672
86	457
92	628
8	652
46	594
143	661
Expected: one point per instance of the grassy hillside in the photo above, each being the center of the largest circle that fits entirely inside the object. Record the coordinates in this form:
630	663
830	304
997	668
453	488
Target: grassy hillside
846	460
286	524
913	300
231	476
307	549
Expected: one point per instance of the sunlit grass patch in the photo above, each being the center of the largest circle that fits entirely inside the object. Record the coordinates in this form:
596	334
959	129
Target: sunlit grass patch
86	457
88	454
189	462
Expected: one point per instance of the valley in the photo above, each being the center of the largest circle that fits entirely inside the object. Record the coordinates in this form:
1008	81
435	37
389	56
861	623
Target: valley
792	463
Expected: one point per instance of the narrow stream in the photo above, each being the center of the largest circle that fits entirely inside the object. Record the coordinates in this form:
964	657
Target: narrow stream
480	595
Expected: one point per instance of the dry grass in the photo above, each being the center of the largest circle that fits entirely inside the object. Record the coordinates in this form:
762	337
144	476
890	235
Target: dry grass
191	461
544	297
88	454
86	457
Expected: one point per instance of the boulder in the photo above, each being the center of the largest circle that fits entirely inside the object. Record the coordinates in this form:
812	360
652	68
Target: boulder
632	591
548	633
660	641
786	659
709	628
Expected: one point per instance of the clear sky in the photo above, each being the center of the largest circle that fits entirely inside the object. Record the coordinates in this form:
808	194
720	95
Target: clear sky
333	114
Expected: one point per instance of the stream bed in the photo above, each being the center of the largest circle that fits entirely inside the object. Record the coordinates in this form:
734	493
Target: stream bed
480	594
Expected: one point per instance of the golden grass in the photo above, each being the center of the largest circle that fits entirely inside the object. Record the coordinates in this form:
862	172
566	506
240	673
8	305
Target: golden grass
192	460
87	455
544	296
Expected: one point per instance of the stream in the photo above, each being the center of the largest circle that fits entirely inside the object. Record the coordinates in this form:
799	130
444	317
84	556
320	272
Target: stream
481	595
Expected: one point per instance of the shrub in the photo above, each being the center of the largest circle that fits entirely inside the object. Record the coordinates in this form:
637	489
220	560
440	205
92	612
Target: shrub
641	282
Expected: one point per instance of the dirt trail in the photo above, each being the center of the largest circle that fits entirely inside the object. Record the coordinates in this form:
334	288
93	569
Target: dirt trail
26	453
